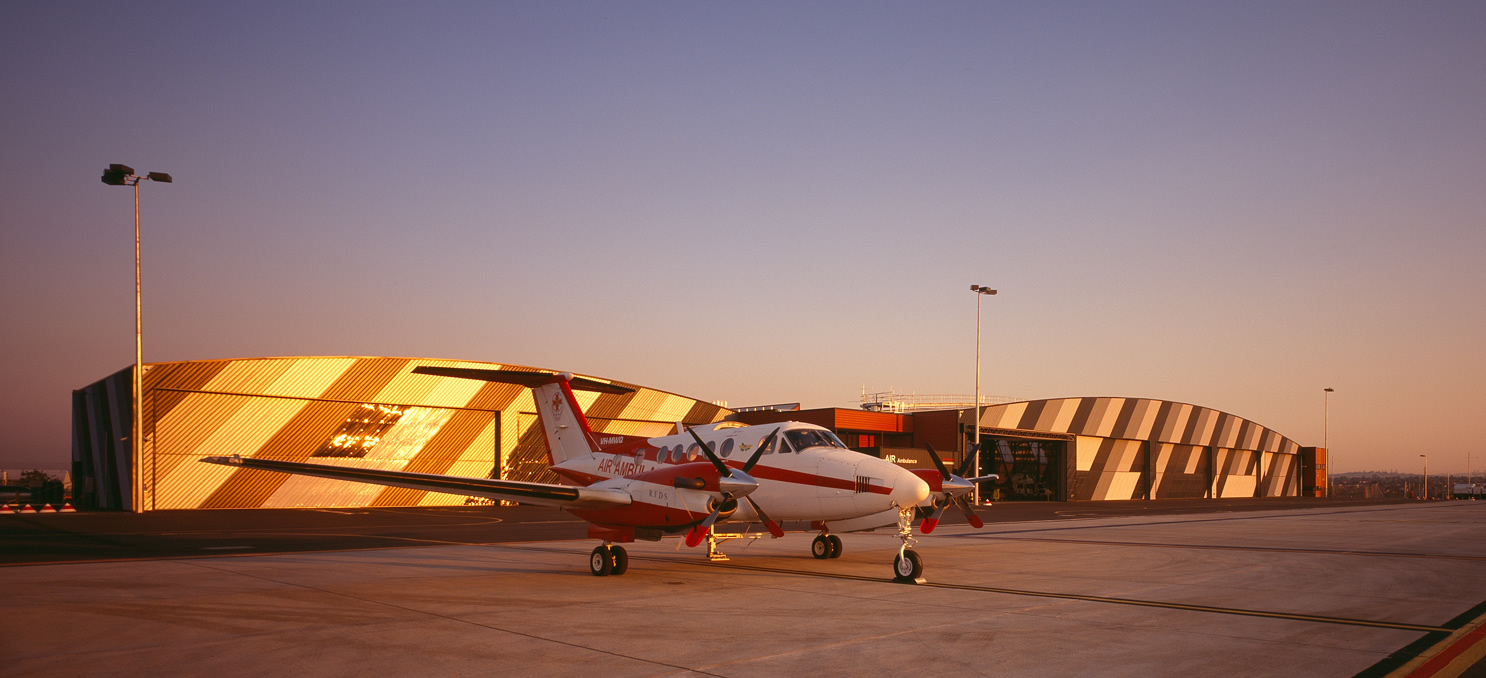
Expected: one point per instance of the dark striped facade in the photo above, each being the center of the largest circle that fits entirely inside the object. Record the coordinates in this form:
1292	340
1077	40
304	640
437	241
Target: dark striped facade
356	412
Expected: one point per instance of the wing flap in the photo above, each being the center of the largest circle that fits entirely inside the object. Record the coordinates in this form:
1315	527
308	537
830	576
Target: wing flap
540	494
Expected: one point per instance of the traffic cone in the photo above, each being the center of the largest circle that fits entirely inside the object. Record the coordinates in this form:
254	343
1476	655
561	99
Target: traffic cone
47	509
5	508
66	508
27	509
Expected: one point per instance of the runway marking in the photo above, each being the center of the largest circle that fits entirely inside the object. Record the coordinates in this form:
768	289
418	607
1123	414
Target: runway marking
1217	547
1289	616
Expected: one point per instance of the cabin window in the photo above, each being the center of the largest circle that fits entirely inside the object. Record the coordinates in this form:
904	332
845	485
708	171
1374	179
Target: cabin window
727	447
691	452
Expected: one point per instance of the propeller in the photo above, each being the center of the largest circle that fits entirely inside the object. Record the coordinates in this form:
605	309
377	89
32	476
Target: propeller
733	484
956	489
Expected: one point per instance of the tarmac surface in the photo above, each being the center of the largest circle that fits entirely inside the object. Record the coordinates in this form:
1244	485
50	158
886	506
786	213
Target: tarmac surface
1298	587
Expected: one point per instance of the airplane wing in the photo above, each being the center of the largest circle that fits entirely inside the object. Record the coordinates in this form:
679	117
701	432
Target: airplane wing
539	494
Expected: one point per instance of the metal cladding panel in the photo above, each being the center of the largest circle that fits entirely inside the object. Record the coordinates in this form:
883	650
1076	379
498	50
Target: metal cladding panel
393	450
182	377
190	485
1003	416
862	420
466	441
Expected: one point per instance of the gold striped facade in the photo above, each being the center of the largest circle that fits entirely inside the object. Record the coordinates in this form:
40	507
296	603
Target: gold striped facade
1141	448
343	411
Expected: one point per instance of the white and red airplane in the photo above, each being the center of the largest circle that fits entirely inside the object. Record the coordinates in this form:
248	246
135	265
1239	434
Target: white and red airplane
632	487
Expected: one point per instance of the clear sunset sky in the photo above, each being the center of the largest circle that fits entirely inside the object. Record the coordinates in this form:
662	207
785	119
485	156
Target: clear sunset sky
1231	204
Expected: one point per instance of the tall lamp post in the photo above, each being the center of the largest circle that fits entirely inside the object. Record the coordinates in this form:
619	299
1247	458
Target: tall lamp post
1326	435
980	291
1426	476
123	175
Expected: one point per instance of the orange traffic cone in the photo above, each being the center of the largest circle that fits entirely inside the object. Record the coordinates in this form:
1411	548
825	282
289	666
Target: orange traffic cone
27	509
47	509
5	508
66	508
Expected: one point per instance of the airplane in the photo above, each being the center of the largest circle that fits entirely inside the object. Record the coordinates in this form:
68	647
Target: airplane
634	487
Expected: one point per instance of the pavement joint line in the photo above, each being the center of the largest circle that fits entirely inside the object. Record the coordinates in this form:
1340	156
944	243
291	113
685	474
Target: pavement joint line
458	620
1289	616
1259	514
1219	547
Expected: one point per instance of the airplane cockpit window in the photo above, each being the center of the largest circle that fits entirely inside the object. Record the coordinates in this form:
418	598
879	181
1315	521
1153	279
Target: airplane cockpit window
806	438
727	448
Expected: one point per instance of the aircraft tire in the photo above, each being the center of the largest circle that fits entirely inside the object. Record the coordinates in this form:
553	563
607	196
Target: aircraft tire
820	548
908	566
835	545
619	560
601	561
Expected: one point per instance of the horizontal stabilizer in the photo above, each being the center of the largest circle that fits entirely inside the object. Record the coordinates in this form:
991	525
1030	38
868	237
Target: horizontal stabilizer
539	494
527	379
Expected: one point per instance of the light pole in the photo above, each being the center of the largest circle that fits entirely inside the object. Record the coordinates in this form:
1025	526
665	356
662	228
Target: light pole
123	175
1426	476
1326	435
1470	479
980	291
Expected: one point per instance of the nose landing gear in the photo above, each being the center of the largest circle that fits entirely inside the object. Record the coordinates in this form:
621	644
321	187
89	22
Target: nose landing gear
908	567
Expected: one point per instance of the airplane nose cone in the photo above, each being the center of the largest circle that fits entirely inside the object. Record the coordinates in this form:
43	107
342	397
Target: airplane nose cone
908	489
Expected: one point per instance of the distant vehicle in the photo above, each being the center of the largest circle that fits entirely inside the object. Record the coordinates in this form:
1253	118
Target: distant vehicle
1471	491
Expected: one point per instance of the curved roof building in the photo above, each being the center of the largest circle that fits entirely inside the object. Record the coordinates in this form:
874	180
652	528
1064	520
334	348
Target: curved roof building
375	413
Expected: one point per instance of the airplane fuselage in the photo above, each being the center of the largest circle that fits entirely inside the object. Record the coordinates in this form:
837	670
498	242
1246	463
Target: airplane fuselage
806	474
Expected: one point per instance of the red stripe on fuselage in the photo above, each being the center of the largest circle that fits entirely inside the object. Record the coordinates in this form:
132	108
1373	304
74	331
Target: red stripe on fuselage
811	479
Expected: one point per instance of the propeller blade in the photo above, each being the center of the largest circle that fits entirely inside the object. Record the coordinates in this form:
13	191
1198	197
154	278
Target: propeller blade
696	535
964	505
938	463
933	521
763	445
769	523
969	462
722	469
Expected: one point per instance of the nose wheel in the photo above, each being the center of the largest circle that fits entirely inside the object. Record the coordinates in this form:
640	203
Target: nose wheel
908	567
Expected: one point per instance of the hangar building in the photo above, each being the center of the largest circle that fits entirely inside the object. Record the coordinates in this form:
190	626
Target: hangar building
374	413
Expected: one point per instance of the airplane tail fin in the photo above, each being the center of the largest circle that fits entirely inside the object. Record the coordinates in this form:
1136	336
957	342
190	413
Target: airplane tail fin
567	431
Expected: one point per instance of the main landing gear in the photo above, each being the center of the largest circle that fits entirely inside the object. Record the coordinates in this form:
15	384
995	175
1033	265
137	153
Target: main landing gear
606	560
826	546
908	567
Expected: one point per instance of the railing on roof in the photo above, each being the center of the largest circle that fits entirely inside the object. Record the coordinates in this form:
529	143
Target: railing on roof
889	401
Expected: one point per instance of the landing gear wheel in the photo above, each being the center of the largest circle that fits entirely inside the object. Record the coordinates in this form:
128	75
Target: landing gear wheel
907	567
821	548
835	545
601	561
619	560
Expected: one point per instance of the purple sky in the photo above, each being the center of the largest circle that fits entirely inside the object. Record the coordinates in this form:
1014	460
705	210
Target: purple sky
1233	205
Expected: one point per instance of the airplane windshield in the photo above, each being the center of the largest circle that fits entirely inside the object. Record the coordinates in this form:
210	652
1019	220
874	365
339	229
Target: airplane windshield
803	438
